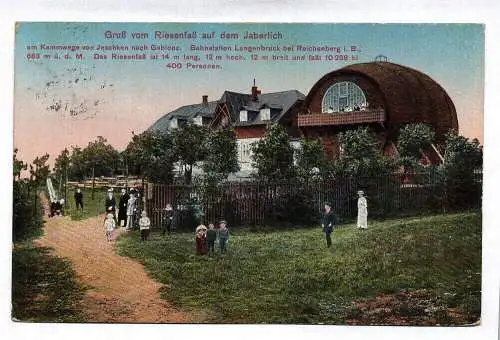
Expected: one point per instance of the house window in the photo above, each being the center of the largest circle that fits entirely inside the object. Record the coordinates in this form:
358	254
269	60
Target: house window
173	123
198	121
243	115
343	96
265	114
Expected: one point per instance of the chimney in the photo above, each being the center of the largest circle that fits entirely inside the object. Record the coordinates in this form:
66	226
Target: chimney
255	92
204	100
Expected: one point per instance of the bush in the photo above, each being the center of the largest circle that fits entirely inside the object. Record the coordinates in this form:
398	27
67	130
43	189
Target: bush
27	219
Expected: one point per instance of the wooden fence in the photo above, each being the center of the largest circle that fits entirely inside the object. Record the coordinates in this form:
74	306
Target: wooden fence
296	202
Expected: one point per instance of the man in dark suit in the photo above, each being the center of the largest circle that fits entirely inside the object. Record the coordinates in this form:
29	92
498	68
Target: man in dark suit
79	199
122	208
328	223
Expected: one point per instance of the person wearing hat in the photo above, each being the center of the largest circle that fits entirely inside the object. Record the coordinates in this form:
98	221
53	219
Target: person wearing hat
122	208
362	211
131	208
201	240
328	223
223	236
144	224
109	226
110	203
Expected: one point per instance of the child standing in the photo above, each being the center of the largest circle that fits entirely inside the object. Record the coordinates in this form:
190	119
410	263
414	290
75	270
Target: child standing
211	237
223	236
144	224
201	240
109	225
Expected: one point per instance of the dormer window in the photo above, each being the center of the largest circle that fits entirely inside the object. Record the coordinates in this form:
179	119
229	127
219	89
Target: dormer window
243	115
173	123
198	120
265	114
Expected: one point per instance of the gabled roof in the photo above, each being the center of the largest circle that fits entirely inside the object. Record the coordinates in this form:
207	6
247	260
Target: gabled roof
184	112
278	102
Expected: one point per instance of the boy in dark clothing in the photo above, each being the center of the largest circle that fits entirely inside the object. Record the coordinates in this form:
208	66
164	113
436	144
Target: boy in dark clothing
211	237
79	199
328	223
167	219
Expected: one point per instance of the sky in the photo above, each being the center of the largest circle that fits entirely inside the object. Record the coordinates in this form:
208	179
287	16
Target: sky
62	102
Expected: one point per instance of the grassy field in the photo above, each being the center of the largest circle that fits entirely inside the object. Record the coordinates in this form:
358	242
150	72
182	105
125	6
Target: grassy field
91	207
44	287
415	271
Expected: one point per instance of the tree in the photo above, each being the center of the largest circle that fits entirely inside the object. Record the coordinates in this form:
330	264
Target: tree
18	166
100	158
462	158
150	155
222	155
361	154
190	147
26	218
273	154
412	140
310	156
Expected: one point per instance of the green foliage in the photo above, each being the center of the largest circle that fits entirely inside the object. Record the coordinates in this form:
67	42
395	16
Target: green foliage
18	166
461	159
413	138
310	155
190	147
92	207
362	156
100	157
150	154
26	212
273	154
39	170
44	287
291	277
61	166
222	155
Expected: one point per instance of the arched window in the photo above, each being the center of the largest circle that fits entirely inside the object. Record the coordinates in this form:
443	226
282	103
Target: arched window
343	96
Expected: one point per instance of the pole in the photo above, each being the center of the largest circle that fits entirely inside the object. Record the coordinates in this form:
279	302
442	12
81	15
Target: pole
66	186
93	181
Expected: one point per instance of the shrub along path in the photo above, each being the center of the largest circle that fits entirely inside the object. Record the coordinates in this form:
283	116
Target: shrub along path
119	289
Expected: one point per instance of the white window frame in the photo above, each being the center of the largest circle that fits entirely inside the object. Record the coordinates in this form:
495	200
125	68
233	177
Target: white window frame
173	123
198	120
265	114
243	115
349	92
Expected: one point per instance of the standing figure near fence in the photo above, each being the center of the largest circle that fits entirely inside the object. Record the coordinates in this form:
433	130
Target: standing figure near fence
362	211
131	209
223	236
79	199
211	237
110	204
167	219
144	225
201	240
122	208
109	226
328	223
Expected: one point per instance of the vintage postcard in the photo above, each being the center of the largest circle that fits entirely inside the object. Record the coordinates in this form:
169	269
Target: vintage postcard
250	173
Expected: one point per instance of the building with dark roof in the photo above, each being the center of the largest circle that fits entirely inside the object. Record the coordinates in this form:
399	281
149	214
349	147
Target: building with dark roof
250	113
200	114
381	94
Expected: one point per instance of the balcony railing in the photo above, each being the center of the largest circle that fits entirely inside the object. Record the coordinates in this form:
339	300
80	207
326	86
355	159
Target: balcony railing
341	118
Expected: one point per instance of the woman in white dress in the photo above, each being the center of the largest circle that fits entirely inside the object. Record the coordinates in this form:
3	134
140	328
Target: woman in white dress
362	211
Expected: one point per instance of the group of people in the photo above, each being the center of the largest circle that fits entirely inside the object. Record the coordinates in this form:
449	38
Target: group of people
205	238
56	208
328	222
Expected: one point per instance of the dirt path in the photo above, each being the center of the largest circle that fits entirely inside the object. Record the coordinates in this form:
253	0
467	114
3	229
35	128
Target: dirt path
120	289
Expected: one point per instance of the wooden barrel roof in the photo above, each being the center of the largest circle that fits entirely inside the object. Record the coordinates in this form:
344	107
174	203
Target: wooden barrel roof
409	96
